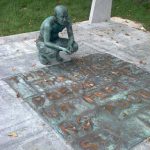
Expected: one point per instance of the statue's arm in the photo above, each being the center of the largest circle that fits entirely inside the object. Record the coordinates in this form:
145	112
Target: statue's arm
70	32
47	31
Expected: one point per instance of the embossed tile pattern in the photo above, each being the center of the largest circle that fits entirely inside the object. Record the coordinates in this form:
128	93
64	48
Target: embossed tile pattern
95	102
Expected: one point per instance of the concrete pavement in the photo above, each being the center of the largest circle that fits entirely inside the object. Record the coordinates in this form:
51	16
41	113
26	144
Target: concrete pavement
20	127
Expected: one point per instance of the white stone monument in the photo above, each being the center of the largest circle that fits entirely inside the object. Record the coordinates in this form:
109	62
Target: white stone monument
100	11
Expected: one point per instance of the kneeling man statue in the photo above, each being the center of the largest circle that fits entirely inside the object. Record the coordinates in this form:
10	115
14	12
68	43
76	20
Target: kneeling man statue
49	43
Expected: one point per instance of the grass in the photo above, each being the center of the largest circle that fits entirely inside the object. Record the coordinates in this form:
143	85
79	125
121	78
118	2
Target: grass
137	10
18	16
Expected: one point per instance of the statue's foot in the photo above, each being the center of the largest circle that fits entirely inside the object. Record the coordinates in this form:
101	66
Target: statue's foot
44	61
60	59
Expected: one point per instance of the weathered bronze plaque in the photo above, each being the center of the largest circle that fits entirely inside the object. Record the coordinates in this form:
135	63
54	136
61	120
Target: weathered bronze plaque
96	102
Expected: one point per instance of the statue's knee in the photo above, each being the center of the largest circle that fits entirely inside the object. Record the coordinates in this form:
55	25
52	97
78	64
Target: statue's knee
75	47
40	45
43	60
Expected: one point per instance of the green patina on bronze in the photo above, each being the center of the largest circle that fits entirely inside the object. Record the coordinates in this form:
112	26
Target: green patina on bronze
49	43
97	102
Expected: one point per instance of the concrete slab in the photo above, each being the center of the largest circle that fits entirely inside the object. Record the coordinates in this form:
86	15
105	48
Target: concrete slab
19	118
119	40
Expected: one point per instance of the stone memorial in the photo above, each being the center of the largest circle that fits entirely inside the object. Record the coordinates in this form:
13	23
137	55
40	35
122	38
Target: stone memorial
93	102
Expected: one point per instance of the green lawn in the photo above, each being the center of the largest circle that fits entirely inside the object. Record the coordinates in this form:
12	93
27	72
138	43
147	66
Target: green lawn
137	10
17	16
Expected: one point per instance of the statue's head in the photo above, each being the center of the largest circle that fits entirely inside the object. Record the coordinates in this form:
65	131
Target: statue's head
61	14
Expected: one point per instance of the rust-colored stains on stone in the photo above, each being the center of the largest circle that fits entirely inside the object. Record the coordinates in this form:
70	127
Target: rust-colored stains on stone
61	78
86	71
75	88
63	90
100	94
123	104
87	124
88	99
84	122
78	120
68	128
79	61
88	84
84	100
14	79
109	90
132	98
125	71
86	145
120	85
53	95
121	71
66	107
144	93
50	112
105	92
38	101
115	73
109	108
43	83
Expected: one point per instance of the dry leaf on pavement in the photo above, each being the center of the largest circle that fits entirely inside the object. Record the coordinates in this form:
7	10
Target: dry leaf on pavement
13	134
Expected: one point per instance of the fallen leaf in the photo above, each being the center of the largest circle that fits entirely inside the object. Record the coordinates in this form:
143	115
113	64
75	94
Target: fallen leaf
45	80
145	94
68	129
100	94
13	134
88	99
109	89
115	73
88	85
142	28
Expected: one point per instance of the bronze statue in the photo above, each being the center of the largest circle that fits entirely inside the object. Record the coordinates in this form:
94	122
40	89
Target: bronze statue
49	43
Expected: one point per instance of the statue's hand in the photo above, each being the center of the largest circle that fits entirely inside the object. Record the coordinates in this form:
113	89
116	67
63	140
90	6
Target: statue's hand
70	49
64	49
